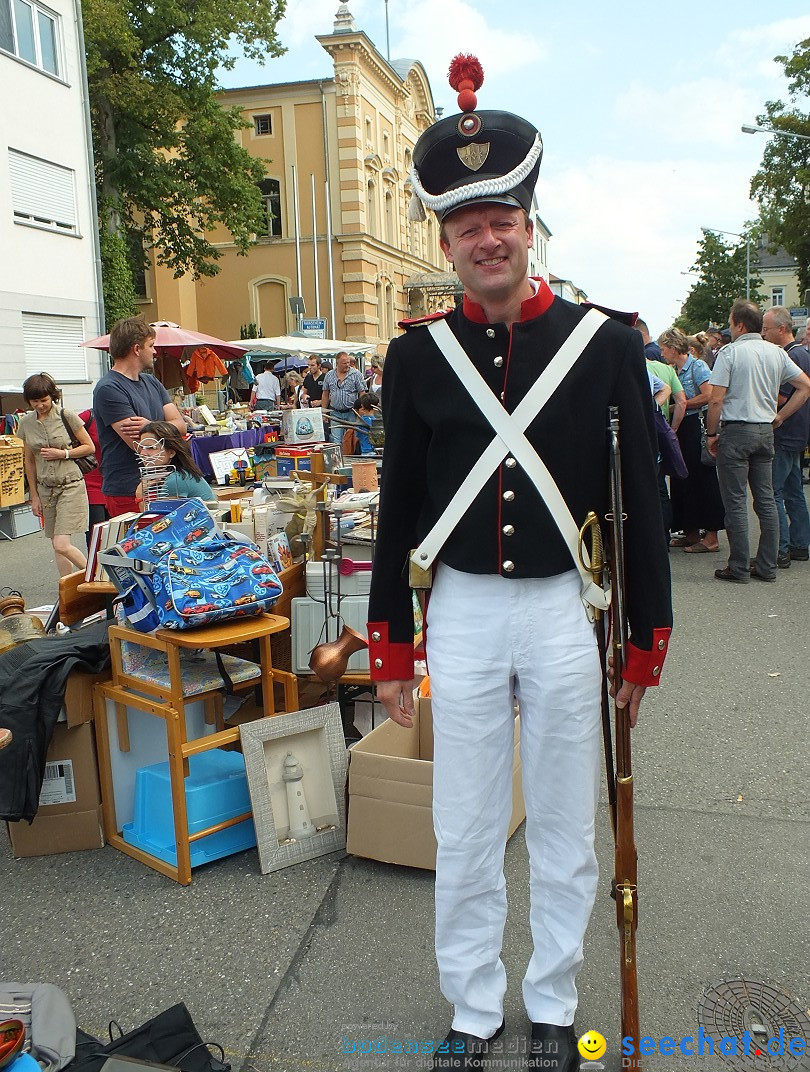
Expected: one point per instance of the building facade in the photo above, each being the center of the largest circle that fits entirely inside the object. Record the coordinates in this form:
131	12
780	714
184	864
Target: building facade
338	153
780	279
50	297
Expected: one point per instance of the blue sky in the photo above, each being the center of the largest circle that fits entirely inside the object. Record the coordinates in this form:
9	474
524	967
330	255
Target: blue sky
639	105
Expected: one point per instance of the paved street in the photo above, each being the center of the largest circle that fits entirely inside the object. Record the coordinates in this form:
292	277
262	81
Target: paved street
282	969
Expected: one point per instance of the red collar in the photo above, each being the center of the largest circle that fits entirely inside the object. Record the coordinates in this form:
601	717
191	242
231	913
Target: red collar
533	307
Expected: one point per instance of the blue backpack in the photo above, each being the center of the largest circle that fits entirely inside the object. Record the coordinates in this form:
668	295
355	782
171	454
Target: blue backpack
177	570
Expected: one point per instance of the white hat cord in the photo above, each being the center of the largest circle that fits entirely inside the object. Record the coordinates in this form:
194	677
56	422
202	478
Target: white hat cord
504	184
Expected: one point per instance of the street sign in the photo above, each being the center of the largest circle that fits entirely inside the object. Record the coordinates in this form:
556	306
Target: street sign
798	314
315	327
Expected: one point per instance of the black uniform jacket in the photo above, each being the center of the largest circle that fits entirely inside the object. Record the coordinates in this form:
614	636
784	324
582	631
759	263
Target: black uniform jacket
434	433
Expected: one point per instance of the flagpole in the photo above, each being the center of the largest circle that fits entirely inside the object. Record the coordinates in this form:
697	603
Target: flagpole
297	240
315	251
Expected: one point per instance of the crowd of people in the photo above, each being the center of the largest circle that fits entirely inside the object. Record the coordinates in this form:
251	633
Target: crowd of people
134	423
739	404
349	399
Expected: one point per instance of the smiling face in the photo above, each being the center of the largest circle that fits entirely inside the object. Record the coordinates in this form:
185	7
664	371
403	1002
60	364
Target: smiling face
592	1045
489	247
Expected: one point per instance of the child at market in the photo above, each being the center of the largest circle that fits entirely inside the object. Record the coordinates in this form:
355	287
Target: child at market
367	405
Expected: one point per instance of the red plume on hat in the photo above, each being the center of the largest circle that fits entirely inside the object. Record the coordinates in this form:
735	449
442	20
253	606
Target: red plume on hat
466	75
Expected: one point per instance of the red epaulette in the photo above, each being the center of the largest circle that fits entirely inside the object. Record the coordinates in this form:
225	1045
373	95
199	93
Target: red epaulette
421	321
614	314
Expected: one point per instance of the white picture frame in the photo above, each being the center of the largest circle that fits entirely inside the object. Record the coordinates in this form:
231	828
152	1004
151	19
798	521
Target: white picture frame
315	737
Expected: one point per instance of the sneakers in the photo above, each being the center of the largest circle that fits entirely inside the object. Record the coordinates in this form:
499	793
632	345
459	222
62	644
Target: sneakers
799	554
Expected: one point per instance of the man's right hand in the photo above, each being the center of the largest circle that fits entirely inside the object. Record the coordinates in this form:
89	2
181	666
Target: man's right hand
132	425
397	699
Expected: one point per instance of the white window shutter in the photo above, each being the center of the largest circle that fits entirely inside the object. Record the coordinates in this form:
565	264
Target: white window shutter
52	345
42	192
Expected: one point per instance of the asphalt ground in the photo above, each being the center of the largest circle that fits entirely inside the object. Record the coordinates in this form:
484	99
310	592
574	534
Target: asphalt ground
289	970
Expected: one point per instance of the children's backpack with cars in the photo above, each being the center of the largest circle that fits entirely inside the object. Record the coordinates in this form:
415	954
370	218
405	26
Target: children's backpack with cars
177	570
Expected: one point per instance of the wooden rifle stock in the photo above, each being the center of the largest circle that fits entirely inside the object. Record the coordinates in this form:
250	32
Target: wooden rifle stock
626	856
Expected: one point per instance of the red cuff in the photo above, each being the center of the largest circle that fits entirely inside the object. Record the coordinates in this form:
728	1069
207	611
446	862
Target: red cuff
644	667
388	661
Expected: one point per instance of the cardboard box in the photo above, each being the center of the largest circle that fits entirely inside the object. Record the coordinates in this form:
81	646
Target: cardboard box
303	425
391	793
78	703
69	816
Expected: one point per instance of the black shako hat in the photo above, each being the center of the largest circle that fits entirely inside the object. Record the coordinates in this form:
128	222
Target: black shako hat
476	156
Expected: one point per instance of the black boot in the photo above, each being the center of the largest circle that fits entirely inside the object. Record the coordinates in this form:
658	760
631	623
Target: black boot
553	1049
461	1052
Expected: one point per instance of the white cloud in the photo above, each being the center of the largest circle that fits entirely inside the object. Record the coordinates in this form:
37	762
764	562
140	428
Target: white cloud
435	32
707	111
624	231
709	107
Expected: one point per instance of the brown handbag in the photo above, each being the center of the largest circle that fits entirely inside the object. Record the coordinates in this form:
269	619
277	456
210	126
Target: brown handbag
89	462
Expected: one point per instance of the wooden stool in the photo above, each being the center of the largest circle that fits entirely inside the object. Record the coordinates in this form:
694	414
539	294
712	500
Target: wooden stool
167	701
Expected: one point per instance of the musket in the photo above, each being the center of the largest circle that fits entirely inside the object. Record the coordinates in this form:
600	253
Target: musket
625	856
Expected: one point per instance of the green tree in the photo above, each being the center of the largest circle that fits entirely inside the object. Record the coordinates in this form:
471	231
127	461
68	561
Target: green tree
782	184
167	162
721	272
119	292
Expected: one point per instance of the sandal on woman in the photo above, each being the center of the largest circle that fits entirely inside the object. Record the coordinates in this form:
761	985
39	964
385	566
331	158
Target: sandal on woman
699	548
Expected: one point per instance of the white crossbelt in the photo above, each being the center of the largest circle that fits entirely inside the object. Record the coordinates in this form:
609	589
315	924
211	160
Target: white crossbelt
510	439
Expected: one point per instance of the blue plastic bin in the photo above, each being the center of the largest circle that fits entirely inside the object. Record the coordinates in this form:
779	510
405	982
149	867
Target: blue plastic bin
216	790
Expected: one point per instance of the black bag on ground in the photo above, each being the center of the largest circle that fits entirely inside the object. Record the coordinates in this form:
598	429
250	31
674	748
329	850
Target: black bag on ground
170	1038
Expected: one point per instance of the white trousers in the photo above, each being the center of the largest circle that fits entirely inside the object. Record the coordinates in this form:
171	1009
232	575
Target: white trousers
491	639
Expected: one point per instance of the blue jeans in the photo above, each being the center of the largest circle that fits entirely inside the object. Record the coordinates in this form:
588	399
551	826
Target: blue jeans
744	457
790	501
337	431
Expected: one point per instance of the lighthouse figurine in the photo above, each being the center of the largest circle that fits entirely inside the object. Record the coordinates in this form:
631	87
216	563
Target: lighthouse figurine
301	826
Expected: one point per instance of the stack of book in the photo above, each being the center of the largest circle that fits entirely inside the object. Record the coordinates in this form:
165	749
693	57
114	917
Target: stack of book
104	536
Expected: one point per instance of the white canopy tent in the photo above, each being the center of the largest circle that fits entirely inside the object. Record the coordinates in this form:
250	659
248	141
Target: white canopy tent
302	346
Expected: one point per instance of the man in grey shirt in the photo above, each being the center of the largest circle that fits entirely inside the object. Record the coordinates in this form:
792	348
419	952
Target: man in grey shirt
742	416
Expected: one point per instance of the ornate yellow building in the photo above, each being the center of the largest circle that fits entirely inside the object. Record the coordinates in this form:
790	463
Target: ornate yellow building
338	155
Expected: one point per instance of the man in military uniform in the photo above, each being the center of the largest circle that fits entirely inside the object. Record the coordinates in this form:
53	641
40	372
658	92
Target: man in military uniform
507	617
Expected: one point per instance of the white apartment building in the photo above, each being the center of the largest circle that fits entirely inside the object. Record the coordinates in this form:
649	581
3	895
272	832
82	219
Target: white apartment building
49	274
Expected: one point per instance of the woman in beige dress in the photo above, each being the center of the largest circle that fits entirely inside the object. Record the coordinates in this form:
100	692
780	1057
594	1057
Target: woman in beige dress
55	482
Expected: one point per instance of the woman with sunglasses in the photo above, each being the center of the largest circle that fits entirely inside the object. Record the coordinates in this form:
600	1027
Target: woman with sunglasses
161	444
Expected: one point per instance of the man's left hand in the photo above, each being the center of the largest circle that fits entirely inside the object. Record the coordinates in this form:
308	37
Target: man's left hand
629	695
711	445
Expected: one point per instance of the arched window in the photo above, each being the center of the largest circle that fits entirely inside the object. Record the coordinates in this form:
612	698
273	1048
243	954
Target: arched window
380	310
389	311
371	207
389	217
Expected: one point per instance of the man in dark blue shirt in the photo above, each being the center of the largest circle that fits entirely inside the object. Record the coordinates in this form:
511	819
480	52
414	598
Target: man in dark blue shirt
124	400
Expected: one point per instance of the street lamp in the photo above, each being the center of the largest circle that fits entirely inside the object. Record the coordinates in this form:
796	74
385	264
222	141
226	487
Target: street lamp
748	128
714	230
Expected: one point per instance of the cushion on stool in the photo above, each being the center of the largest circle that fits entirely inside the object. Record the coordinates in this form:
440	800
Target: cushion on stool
199	668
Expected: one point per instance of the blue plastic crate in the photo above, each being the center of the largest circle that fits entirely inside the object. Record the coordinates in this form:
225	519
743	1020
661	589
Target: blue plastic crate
216	790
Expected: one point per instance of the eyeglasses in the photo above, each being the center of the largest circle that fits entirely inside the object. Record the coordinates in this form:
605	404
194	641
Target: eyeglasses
149	446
